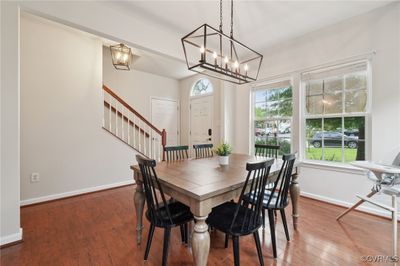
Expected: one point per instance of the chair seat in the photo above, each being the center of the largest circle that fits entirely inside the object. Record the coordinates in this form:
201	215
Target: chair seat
221	218
272	203
180	214
267	196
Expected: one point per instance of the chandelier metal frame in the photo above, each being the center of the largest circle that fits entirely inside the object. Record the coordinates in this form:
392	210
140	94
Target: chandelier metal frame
224	64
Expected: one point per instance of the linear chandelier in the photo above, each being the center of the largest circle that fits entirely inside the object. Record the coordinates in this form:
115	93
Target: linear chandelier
211	52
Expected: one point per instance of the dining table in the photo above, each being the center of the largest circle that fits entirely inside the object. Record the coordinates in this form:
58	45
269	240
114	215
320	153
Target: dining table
203	184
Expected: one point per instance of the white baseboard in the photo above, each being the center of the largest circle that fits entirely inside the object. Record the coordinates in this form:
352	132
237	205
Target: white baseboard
362	208
11	238
75	192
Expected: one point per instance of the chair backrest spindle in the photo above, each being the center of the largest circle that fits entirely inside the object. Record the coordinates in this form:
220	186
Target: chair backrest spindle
266	150
203	150
175	153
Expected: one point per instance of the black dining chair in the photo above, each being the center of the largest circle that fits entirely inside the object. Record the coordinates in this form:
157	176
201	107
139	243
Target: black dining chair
161	213
241	218
271	151
175	153
267	150
277	198
203	150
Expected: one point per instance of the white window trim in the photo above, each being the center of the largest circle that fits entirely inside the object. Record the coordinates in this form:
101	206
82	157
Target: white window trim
261	86
367	114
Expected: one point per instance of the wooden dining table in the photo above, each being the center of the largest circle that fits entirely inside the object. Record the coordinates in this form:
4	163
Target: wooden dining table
203	184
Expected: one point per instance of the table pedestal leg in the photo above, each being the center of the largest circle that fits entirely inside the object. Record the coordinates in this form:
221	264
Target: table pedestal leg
294	196
139	205
200	241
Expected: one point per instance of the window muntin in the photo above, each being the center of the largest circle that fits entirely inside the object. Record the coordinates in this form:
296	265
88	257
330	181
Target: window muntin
335	113
202	87
273	115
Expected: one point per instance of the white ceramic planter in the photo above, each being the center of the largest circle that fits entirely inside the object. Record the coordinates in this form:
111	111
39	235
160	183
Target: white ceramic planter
223	160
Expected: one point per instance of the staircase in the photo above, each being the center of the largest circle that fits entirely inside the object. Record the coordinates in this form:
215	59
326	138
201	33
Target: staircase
125	123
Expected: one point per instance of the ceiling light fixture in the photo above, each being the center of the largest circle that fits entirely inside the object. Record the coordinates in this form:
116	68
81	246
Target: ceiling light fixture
121	56
211	52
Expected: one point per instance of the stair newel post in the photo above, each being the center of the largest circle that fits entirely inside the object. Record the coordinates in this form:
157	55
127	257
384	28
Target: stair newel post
163	142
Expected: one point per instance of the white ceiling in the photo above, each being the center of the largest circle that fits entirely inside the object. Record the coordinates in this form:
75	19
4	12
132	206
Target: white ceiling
258	24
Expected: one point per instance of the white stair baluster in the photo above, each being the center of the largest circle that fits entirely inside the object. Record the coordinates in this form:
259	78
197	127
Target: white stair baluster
104	118
149	142
122	123
134	132
140	142
109	112
152	145
159	148
144	142
129	127
116	118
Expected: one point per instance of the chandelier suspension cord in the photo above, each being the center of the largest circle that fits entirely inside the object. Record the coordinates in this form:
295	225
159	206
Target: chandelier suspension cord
231	18
220	28
220	15
231	43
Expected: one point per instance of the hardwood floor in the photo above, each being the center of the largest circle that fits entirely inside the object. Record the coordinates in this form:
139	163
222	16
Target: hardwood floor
99	229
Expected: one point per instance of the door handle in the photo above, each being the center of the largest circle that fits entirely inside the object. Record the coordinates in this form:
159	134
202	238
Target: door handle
209	131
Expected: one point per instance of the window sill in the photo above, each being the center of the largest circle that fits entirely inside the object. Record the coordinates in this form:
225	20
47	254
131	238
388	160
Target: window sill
338	167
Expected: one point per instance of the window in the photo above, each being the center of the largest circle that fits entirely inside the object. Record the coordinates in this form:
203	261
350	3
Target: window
335	112
273	115
201	87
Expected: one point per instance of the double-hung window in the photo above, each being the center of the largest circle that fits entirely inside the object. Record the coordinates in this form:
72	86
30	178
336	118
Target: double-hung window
272	107
336	111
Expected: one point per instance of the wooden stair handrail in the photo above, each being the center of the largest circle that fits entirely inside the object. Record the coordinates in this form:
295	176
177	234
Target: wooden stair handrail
109	91
162	133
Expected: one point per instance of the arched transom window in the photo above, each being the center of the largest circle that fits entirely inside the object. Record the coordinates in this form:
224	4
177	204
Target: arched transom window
201	87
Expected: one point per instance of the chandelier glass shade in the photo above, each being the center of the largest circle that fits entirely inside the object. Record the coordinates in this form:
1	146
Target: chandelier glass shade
211	52
121	56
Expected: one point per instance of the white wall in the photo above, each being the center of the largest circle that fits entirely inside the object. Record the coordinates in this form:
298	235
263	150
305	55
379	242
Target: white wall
378	30
186	86
61	115
228	112
137	87
10	114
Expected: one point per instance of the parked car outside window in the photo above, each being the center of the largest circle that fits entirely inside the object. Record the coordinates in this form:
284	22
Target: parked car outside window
333	139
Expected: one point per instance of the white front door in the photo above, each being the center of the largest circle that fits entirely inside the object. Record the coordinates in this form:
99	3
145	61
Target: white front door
201	116
164	115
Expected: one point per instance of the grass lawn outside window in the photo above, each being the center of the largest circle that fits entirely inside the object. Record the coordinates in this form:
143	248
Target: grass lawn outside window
331	154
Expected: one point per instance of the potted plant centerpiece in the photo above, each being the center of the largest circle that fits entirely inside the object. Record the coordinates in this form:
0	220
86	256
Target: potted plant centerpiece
223	151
